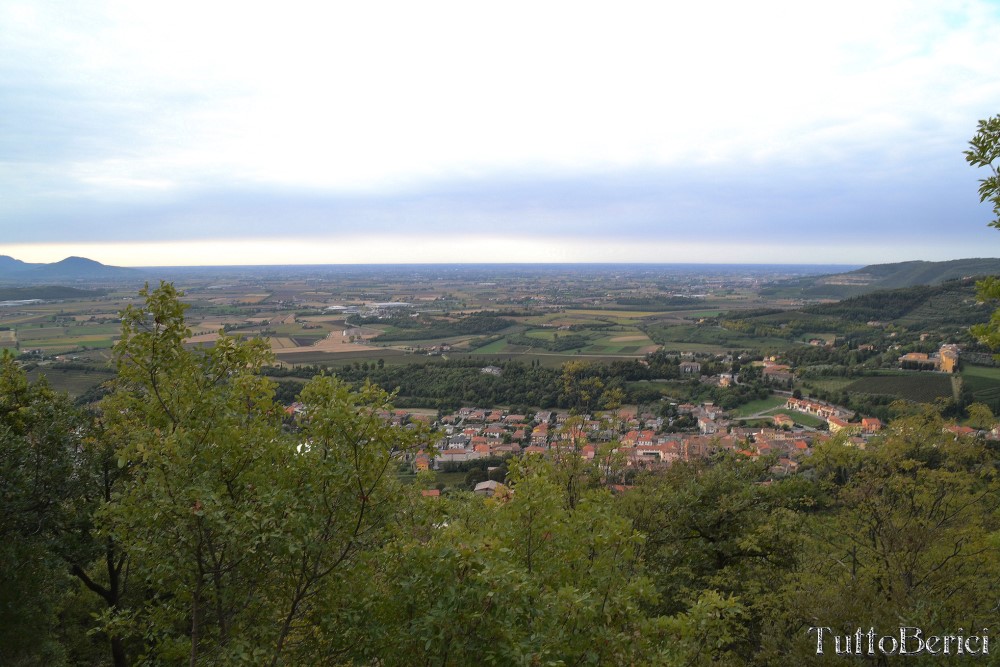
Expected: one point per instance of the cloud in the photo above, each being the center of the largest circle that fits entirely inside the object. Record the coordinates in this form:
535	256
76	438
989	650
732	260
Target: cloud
709	205
775	122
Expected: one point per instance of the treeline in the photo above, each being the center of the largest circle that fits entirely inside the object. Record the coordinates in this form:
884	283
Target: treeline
559	343
428	328
448	385
185	522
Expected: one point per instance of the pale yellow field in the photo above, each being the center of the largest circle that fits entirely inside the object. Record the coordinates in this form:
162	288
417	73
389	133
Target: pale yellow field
321	319
628	339
253	298
335	342
96	316
207	327
204	338
281	343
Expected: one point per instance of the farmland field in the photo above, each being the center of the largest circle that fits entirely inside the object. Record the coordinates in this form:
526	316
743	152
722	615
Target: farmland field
828	383
984	384
496	347
72	381
918	387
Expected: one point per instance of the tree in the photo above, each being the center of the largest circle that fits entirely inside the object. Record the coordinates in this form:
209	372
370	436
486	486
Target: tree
581	386
244	535
38	444
912	535
984	151
527	579
980	416
712	527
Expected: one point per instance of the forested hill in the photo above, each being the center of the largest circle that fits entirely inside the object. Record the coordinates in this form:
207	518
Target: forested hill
46	292
884	276
950	303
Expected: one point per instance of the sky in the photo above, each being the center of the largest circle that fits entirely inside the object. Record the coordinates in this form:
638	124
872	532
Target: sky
209	133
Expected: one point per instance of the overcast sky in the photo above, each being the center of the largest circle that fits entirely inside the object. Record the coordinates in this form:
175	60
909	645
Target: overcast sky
153	133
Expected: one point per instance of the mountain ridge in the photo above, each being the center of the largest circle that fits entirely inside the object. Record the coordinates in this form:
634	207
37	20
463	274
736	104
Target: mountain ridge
70	268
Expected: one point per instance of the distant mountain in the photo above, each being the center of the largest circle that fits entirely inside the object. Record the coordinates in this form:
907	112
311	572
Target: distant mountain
884	276
69	269
9	264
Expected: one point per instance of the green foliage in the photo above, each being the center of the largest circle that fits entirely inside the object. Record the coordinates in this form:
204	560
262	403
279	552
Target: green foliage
713	526
984	151
528	579
235	526
912	538
38	442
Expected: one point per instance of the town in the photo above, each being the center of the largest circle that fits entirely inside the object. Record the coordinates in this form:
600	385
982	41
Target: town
642	364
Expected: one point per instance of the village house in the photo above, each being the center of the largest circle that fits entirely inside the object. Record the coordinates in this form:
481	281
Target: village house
781	420
821	410
689	368
837	425
871	425
944	360
489	488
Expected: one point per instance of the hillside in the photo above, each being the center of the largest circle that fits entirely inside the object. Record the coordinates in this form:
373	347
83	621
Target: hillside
882	277
946	307
46	292
950	303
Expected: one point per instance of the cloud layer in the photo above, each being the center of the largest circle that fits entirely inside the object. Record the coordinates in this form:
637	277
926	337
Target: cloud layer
785	124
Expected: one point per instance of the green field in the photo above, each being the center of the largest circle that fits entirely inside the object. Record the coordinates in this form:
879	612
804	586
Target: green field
803	419
72	381
763	405
713	336
830	384
984	384
916	386
496	347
